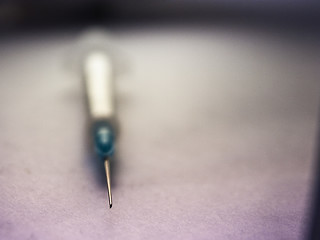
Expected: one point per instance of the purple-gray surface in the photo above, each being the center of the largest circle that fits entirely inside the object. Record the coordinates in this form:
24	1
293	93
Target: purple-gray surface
217	137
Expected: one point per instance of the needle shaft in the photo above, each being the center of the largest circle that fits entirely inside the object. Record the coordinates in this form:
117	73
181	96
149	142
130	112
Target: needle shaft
107	168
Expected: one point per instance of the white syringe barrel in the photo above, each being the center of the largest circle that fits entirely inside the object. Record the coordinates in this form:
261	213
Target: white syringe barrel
98	75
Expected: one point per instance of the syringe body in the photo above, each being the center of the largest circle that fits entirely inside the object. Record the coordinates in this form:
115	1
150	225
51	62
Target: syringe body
98	75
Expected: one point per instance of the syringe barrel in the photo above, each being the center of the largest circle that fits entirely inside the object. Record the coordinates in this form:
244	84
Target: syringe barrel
98	75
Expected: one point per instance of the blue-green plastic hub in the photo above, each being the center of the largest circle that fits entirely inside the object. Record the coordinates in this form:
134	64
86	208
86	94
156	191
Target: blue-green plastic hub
104	140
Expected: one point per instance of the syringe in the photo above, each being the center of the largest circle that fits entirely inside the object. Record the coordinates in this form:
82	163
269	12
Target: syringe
98	75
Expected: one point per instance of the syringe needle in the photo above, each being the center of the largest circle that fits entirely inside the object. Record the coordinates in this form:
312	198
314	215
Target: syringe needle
107	167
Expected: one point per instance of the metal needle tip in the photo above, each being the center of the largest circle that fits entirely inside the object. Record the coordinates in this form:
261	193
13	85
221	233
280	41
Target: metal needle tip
107	167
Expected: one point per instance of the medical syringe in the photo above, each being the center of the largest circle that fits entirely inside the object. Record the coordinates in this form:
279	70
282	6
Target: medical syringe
98	75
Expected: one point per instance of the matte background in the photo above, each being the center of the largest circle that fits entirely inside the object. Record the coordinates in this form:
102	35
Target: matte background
217	136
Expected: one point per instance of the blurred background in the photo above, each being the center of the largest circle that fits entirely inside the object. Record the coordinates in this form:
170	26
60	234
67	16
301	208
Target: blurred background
218	111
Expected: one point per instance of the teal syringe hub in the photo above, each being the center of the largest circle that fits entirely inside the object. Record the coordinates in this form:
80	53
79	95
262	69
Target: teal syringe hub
104	140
